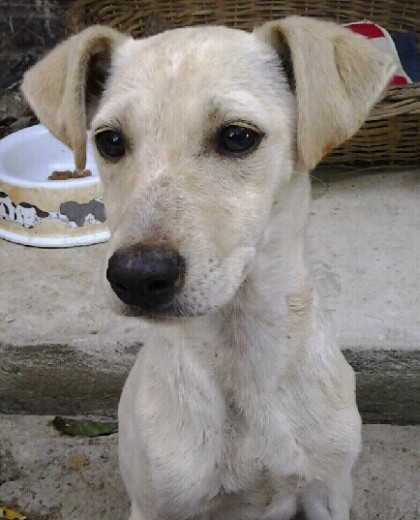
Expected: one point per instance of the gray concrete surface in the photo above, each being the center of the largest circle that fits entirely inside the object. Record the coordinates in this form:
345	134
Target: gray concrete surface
365	242
63	350
50	477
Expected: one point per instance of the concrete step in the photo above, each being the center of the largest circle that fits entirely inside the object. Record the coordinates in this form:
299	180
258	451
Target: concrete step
47	476
62	350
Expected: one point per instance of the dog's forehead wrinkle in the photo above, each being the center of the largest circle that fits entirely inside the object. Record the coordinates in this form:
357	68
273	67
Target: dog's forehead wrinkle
155	88
174	63
196	53
171	128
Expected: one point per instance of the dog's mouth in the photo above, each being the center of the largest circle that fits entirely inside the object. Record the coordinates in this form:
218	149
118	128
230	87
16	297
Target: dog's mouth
152	283
170	313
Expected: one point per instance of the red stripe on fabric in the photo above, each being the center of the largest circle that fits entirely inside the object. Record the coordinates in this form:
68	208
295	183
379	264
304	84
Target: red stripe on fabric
399	80
369	30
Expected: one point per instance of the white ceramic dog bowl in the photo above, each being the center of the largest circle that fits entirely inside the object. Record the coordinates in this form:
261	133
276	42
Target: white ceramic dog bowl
39	212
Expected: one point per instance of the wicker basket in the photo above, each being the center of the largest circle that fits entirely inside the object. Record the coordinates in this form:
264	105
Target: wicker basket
391	135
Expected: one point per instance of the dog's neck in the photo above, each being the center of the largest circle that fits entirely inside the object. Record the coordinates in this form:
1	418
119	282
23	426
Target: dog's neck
265	324
280	268
277	289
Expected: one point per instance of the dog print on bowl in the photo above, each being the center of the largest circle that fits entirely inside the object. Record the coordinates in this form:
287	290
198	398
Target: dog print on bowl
71	212
75	214
25	214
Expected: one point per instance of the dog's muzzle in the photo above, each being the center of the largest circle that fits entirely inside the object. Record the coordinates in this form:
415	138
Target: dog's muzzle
146	278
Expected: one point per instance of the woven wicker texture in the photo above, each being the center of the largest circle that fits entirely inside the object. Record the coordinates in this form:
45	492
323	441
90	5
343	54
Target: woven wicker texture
391	135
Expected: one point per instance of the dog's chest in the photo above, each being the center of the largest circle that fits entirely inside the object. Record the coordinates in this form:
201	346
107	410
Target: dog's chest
261	461
257	469
259	445
207	444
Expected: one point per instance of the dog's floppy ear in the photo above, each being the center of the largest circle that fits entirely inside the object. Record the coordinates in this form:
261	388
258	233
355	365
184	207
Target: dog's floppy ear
338	77
64	87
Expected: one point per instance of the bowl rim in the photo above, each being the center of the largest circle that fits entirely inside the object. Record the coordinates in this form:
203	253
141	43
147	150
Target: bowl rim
20	137
55	242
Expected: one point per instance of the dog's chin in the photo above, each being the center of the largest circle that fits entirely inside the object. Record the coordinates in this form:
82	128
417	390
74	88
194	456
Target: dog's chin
168	313
176	311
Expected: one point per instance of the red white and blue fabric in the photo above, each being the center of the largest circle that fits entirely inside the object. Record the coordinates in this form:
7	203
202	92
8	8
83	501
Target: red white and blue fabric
381	38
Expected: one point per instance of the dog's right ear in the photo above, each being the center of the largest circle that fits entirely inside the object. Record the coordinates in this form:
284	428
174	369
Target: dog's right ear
337	75
64	88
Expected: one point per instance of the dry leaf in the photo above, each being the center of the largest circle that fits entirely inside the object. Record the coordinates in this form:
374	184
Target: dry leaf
9	514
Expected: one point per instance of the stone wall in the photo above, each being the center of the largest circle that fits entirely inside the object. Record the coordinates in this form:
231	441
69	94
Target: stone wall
28	28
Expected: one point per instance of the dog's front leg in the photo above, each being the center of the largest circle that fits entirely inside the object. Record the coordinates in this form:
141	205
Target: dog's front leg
171	425
323	503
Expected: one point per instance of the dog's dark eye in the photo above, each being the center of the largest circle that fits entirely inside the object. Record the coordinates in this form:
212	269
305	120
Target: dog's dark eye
110	144
238	141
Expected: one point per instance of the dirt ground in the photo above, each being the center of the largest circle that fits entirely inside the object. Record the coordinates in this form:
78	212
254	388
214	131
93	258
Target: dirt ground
47	476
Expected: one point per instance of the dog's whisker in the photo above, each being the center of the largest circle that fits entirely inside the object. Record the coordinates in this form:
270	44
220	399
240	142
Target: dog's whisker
326	186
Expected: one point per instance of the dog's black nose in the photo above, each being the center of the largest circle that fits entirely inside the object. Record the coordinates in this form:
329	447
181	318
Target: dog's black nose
145	277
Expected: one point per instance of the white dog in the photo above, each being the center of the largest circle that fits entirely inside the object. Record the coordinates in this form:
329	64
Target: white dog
240	406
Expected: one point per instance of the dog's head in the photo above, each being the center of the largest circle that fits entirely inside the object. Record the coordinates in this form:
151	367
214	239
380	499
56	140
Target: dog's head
195	130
